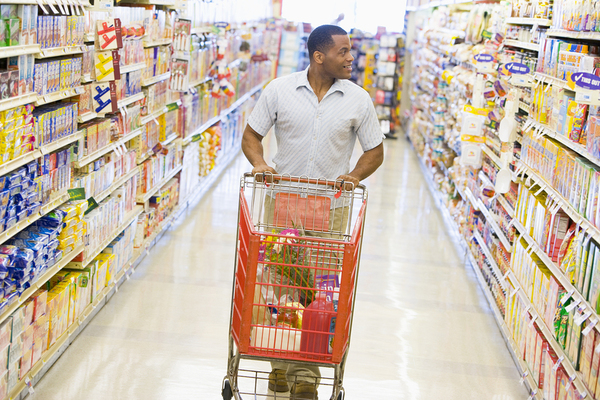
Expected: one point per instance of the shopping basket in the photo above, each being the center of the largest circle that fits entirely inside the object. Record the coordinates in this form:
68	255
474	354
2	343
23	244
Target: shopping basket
294	285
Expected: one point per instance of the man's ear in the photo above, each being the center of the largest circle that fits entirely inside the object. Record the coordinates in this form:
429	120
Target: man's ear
318	57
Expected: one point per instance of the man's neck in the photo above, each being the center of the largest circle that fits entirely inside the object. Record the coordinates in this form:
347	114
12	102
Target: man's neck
319	83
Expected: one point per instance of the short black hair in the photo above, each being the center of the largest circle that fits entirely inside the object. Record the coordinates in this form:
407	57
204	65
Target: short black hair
321	38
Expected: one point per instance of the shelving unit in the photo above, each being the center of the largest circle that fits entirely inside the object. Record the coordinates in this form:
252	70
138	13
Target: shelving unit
59	51
528	21
522	45
153	116
133	67
116	184
107	149
146	196
13	51
158	42
63	94
156	79
130	100
13	102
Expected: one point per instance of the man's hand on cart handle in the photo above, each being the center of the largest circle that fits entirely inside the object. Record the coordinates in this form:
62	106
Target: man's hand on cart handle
264	169
349	182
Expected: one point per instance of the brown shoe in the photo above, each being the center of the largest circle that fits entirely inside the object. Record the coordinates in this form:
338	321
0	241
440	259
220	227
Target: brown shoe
278	381
304	391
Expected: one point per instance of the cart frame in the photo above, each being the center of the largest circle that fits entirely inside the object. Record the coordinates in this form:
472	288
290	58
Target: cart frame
251	232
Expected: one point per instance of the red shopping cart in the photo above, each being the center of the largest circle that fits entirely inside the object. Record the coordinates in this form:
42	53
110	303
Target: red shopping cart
294	286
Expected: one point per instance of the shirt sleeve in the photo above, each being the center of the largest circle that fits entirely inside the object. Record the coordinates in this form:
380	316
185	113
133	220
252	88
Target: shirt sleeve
368	131
264	115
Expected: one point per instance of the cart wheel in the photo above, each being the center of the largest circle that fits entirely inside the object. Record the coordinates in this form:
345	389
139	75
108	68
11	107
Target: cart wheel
226	391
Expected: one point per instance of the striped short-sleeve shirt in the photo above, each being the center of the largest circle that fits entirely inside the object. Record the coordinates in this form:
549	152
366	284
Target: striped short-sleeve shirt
315	139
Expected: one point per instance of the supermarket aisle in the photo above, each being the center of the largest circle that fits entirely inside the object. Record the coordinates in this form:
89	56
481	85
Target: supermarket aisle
422	330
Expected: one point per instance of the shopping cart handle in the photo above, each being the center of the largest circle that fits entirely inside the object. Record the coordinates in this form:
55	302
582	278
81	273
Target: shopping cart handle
314	181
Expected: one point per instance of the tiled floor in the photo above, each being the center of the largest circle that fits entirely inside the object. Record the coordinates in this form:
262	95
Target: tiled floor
422	327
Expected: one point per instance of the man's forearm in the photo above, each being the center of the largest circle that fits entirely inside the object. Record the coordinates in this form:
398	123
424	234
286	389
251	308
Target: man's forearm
252	147
368	163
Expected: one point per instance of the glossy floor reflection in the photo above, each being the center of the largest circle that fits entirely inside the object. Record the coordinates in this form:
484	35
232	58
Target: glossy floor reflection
422	327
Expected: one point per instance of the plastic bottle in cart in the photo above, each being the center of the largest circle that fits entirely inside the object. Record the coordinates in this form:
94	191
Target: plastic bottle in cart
316	317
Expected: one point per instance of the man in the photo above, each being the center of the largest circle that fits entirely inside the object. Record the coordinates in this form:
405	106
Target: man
317	114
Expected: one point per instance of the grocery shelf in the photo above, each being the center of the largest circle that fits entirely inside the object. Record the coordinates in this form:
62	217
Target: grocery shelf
200	82
90	255
565	205
549	336
13	51
528	21
133	67
201	29
490	259
12	231
455	32
154	115
492	221
224	113
16	101
63	94
513	348
116	184
130	100
156	79
500	197
540	77
144	157
471	198
86	78
524	107
555	270
146	196
106	149
59	51
492	155
565	141
41	281
562	33
62	142
86	117
522	45
158	42
439	3
169	139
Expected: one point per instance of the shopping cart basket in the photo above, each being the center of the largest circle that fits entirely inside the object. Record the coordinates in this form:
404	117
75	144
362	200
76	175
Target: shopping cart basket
295	276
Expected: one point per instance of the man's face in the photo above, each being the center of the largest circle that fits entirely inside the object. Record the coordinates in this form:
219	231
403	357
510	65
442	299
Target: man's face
338	59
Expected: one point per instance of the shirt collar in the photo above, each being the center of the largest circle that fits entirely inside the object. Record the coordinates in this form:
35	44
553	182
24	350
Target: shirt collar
338	84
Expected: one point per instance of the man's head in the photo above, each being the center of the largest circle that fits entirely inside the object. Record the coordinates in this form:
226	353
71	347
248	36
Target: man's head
329	48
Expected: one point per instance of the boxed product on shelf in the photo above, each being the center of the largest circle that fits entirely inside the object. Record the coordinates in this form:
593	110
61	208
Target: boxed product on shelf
16	76
18	135
98	176
54	121
122	247
54	76
157	167
157	97
60	31
157	61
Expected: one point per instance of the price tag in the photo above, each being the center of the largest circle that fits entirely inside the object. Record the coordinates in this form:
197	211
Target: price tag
527	309
505	275
522	381
584	317
589	327
514	292
572	306
532	321
29	385
129	274
54	10
571	379
567	296
117	287
533	393
39	2
559	361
